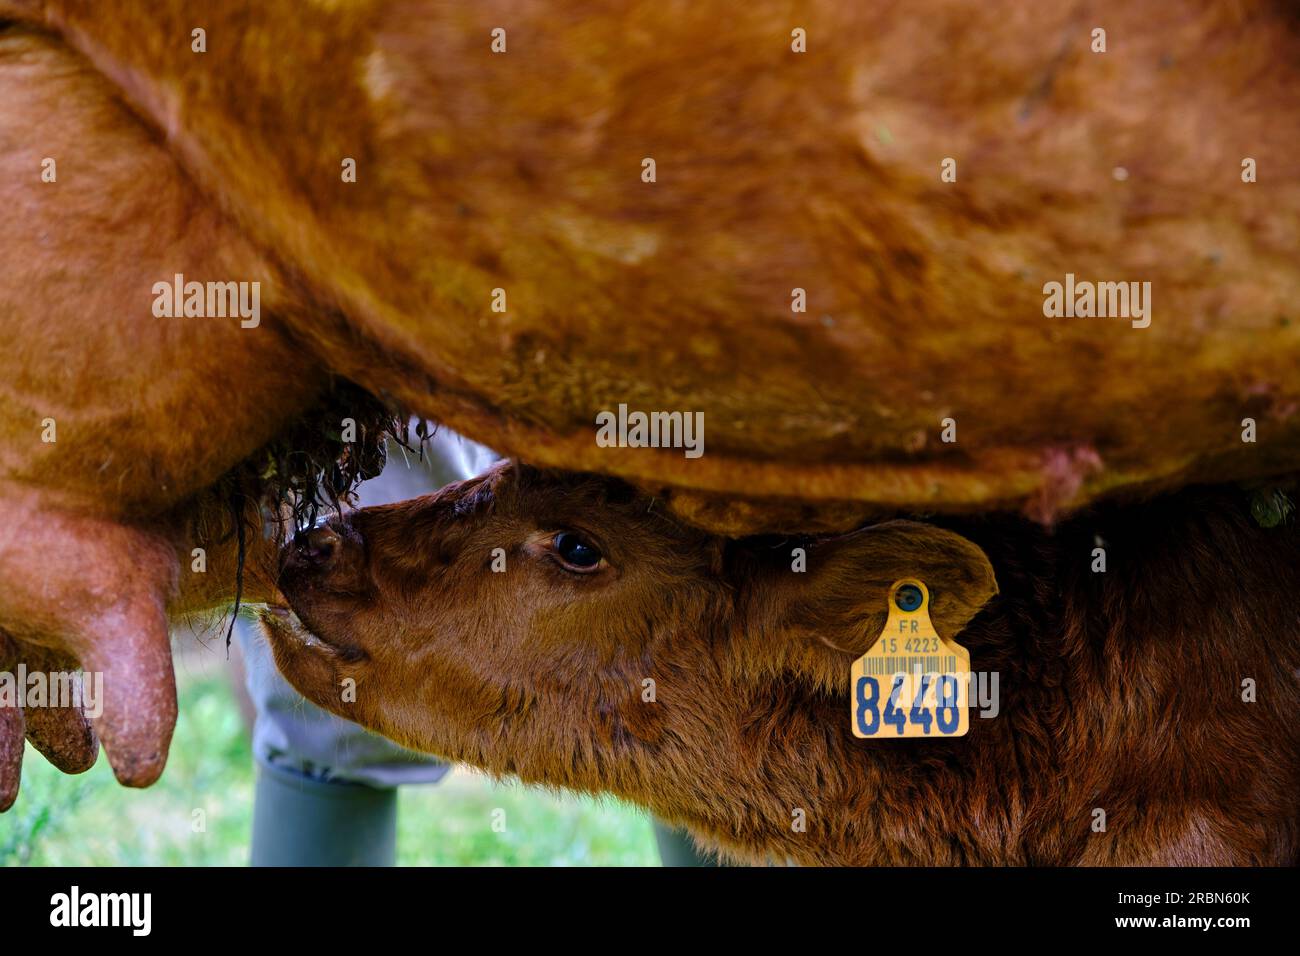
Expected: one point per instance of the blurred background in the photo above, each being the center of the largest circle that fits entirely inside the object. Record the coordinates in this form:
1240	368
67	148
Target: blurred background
89	820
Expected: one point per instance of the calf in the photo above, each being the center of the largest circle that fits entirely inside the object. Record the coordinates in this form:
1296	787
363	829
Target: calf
561	628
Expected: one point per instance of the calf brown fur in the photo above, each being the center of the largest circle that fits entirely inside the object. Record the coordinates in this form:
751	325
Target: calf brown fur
1121	691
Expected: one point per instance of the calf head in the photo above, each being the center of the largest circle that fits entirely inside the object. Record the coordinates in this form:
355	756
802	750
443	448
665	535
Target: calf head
561	628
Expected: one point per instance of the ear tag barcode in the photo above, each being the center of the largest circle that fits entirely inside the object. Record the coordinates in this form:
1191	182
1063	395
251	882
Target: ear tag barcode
912	682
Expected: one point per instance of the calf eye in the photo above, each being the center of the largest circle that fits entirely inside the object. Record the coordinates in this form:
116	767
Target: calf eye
575	553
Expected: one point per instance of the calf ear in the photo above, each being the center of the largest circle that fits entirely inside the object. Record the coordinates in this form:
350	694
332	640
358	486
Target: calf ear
818	620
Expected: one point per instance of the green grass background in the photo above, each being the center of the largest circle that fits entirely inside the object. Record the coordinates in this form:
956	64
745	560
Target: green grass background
88	820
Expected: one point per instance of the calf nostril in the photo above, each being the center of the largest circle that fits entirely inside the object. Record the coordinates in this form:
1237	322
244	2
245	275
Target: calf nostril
317	545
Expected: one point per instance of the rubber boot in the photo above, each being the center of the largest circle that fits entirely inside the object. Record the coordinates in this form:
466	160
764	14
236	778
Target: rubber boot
298	821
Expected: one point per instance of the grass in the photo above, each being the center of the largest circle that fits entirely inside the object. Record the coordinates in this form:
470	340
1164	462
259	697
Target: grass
88	820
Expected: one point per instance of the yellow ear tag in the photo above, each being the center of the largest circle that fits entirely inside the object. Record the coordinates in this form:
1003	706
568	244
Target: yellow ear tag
912	682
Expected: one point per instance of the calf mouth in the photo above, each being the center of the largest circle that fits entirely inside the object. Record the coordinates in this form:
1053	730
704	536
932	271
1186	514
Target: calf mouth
284	623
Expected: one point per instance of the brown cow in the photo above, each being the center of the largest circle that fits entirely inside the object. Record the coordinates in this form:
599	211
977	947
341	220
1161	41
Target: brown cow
225	159
115	423
1126	692
460	196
